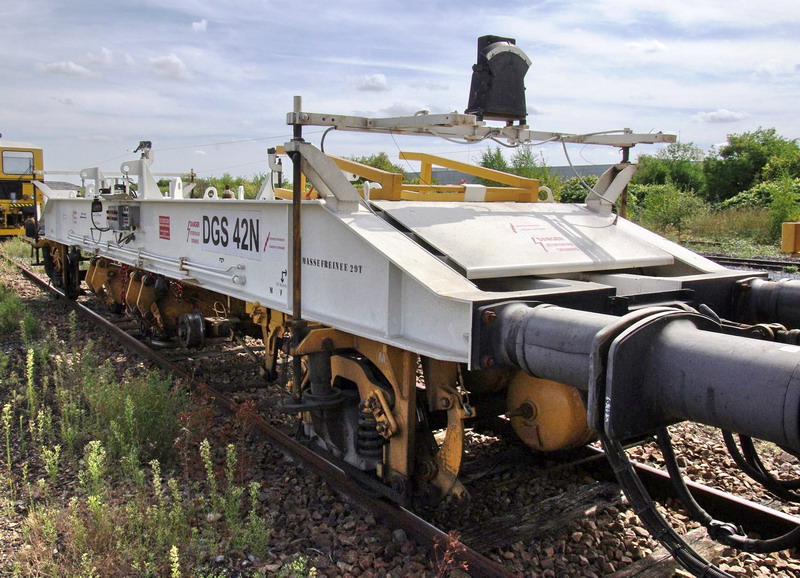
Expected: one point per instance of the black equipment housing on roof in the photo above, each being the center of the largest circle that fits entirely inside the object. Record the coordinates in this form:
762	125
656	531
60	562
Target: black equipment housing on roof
498	81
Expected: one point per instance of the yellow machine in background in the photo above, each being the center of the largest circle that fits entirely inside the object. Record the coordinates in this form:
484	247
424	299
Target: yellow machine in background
20	165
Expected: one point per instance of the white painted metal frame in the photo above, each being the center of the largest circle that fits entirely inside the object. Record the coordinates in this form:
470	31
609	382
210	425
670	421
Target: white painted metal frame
364	273
466	126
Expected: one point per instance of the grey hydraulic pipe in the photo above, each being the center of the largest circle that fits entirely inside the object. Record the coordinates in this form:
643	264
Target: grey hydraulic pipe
549	341
663	371
747	386
761	301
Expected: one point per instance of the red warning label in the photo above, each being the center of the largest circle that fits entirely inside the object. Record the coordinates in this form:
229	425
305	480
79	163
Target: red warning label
163	227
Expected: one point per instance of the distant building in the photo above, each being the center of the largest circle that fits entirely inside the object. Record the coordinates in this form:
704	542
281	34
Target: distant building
566	172
451	177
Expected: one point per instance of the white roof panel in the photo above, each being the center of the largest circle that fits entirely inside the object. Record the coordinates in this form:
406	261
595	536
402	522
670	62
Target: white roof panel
510	239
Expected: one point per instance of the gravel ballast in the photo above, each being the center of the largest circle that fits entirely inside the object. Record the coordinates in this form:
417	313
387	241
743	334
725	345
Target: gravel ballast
311	519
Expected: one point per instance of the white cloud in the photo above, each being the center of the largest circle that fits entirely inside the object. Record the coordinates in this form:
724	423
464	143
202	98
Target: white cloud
534	110
721	115
68	68
398	109
102	138
372	82
647	46
775	68
429	85
200	153
104	56
746	14
169	66
596	65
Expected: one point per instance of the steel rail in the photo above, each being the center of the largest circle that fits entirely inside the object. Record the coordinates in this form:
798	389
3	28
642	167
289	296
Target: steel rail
770	264
753	516
421	531
750	515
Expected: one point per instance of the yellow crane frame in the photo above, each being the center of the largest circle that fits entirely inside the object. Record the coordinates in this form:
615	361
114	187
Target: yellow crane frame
517	189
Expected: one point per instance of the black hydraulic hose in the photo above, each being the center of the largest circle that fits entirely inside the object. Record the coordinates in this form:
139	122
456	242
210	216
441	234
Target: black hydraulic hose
750	463
752	456
646	510
722	532
322	140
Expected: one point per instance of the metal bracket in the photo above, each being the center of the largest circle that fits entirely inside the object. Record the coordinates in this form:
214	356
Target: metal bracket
379	406
623	387
327	178
609	187
454	125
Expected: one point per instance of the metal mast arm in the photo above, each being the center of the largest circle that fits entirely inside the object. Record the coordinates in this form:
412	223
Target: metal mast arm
467	127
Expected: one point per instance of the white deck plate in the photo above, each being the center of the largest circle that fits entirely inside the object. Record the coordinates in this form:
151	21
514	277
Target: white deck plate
508	239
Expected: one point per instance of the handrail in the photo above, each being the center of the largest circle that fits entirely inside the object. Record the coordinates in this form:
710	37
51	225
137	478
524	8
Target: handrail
428	160
392	188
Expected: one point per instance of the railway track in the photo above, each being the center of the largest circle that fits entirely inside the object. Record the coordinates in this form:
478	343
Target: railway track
503	528
417	528
755	263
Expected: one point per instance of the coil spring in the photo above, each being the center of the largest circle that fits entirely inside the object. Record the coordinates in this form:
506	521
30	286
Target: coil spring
370	442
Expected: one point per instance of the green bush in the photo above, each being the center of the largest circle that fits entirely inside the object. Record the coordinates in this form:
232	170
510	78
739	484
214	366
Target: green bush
780	166
13	312
665	207
761	195
573	191
740	163
251	185
778	197
680	164
135	417
524	162
138	417
783	206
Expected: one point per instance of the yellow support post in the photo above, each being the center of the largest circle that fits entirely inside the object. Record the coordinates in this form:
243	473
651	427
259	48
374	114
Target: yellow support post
391	183
529	186
425	172
790	238
517	190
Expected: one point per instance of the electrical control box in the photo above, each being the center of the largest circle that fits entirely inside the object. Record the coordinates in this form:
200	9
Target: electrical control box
122	217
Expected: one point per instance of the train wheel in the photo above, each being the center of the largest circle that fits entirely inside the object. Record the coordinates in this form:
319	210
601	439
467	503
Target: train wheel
72	272
62	266
438	457
191	330
53	264
376	420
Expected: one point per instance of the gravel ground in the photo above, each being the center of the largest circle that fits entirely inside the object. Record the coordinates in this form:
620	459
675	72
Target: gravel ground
309	518
341	540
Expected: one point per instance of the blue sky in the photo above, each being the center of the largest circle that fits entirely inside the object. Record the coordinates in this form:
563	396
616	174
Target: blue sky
210	82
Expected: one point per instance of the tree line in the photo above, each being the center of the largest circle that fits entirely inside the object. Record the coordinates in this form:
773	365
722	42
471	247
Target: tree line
252	185
757	170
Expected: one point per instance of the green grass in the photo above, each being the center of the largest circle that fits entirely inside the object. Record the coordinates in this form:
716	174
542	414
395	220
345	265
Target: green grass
740	232
747	224
16	248
13	313
735	247
111	479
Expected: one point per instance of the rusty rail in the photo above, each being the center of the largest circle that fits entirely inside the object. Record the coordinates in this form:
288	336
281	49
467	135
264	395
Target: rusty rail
422	532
